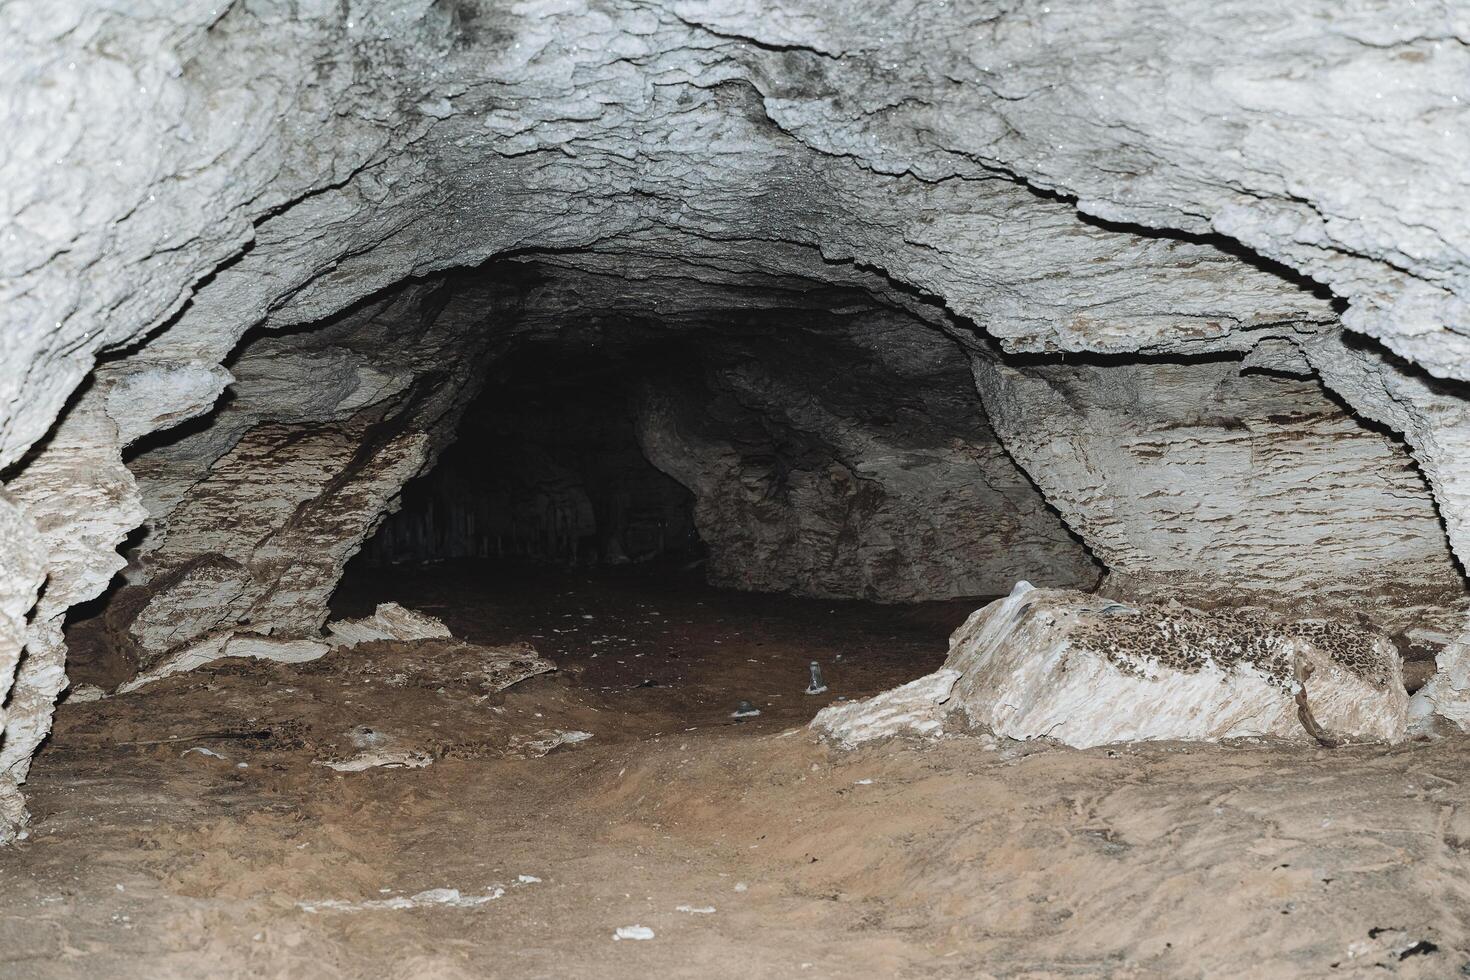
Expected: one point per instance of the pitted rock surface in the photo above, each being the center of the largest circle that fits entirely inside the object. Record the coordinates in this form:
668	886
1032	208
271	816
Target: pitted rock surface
1148	638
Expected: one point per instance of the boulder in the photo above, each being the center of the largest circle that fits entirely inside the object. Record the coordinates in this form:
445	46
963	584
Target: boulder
1088	671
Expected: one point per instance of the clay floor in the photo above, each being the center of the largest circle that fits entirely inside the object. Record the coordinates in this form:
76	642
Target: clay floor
749	849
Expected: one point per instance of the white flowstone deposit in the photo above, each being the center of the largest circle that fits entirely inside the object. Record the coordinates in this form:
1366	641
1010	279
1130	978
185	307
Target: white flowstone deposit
537	744
431	898
424	655
230	645
377	750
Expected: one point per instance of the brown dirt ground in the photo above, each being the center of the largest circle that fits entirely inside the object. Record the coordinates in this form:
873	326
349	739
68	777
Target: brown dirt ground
964	857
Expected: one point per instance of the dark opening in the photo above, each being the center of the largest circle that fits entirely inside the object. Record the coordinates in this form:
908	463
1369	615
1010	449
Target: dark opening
547	468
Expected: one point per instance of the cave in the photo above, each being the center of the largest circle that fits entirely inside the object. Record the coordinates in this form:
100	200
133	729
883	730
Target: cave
691	489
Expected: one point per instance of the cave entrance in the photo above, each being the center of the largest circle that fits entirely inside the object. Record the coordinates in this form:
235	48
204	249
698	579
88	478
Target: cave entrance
796	428
804	446
684	502
545	522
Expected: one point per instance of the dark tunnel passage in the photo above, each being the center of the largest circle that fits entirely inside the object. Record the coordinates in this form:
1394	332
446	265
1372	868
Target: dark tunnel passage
809	441
546	467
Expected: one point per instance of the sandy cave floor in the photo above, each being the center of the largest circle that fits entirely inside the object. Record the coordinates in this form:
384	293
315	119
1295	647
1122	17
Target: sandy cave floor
959	858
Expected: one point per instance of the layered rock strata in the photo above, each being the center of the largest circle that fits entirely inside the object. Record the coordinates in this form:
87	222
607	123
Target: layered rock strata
1213	481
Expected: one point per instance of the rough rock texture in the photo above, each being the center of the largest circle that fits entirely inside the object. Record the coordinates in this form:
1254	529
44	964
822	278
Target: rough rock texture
1334	167
173	177
1447	693
916	708
855	463
254	516
82	502
1088	671
222	645
1198	480
24	571
389	621
1432	415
